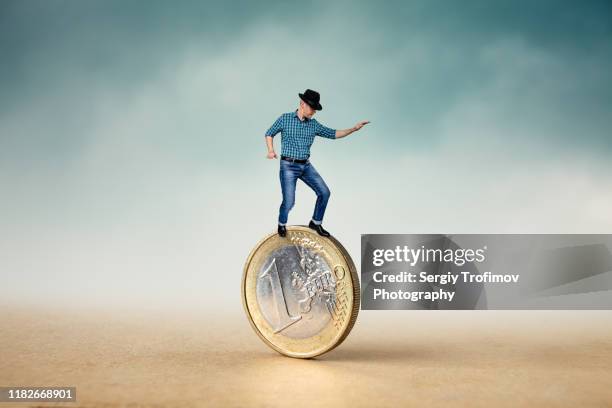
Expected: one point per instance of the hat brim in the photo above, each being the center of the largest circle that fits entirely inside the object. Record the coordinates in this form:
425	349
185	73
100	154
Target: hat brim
315	106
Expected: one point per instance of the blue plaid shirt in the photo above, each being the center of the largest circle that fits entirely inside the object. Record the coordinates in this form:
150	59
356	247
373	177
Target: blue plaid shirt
297	136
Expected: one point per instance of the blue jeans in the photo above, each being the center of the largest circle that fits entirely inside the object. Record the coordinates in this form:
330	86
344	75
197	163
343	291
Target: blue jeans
289	173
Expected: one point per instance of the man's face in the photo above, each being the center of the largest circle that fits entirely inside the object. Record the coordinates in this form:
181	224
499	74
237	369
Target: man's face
307	110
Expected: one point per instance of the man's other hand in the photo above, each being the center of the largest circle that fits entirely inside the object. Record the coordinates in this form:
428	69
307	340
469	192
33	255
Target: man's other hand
272	155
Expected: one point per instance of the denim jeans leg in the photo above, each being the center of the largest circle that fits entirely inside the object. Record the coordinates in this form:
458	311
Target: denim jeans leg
313	179
288	175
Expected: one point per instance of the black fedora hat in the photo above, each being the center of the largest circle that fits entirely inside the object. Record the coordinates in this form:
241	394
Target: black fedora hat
311	98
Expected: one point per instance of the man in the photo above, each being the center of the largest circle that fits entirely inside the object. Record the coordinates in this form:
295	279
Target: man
298	130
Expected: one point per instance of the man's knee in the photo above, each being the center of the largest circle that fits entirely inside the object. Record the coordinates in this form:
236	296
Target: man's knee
324	193
288	203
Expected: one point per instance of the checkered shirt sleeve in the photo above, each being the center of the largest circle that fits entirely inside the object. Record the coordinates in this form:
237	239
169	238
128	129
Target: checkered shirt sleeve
276	127
324	131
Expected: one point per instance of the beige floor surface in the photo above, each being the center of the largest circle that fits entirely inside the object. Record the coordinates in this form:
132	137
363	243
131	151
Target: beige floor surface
391	359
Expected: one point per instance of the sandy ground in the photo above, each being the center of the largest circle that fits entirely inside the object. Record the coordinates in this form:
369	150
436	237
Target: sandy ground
392	358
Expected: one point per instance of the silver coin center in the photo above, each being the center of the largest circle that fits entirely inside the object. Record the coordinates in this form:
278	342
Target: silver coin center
296	291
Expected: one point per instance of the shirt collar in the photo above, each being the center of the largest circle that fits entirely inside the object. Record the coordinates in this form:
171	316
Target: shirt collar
295	113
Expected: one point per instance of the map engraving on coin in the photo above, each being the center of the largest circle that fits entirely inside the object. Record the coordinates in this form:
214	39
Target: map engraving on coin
300	292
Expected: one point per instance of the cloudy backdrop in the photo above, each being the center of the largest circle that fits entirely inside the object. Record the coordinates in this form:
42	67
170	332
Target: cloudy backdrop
132	151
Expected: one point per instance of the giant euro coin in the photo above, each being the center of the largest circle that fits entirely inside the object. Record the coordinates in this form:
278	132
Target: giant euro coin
300	292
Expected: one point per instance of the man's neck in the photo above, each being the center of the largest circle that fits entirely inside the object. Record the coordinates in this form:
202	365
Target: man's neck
300	115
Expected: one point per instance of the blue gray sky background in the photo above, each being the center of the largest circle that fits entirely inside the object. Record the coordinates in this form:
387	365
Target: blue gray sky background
132	152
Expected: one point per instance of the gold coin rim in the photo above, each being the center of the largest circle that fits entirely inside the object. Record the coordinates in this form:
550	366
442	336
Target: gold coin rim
355	287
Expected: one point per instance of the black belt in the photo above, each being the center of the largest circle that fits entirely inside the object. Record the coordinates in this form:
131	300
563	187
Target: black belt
291	159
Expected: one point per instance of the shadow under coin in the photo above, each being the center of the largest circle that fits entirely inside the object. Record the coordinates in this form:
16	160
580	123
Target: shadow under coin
366	353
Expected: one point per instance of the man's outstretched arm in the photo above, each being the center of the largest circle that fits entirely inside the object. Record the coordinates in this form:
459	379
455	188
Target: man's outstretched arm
345	132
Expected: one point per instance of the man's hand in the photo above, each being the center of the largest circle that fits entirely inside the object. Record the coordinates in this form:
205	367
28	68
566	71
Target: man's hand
346	132
361	124
270	146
